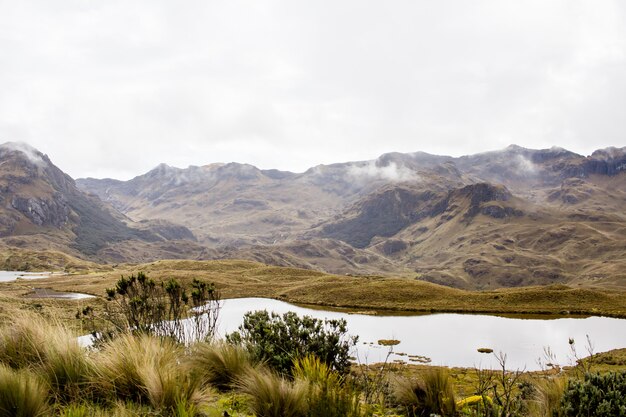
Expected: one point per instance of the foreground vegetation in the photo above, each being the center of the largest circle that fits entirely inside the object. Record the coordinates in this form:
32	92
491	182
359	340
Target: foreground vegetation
275	365
44	371
142	362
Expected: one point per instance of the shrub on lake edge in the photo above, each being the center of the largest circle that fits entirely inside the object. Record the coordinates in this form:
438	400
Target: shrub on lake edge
280	340
600	395
142	305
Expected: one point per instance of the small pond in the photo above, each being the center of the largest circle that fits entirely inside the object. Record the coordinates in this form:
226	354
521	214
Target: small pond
13	275
48	293
453	339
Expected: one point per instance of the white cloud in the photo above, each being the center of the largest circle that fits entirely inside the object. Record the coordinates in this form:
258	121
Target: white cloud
114	88
27	150
391	172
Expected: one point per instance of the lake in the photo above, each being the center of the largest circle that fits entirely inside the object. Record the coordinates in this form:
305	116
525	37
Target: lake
453	339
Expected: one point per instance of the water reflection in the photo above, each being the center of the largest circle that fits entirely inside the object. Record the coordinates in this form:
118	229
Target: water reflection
453	339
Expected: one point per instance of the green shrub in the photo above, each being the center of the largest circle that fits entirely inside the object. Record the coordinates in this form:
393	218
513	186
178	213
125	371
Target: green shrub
279	340
21	394
144	306
597	395
220	364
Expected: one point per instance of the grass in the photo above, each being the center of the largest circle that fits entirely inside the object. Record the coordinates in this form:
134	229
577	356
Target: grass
219	364
328	393
22	394
145	370
44	372
549	395
432	393
250	279
50	348
274	396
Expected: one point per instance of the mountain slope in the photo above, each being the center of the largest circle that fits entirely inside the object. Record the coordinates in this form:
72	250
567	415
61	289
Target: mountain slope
504	218
41	207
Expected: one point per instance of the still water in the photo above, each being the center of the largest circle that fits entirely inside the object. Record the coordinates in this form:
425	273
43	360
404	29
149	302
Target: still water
453	339
13	275
48	293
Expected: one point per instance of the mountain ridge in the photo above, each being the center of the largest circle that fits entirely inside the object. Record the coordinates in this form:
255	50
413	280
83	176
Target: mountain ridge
511	217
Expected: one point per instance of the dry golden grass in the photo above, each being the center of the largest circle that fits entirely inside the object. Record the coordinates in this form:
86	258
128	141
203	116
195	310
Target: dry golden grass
237	278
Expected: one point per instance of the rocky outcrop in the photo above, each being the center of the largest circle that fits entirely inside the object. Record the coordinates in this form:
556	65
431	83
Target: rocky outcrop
475	195
610	161
383	213
54	212
167	230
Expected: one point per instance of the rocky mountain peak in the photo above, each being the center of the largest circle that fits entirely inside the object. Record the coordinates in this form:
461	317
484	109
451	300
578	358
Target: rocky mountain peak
24	151
610	153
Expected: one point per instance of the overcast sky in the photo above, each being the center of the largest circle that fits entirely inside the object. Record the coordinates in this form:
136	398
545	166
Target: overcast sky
112	88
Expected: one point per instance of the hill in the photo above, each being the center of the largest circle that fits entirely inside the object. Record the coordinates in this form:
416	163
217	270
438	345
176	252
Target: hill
42	209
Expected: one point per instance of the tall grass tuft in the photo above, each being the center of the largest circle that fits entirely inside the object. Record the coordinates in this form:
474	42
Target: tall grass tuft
146	370
50	349
274	396
328	394
24	341
549	396
219	364
432	394
21	394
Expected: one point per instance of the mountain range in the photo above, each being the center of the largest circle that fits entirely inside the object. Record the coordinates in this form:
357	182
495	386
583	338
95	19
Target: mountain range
506	218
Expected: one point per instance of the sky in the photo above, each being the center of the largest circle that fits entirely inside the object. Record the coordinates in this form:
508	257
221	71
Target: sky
113	88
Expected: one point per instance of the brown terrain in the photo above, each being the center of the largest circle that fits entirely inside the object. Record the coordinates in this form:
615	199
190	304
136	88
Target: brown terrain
514	217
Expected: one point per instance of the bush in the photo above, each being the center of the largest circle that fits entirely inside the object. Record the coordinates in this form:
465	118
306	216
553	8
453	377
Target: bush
596	395
279	340
21	394
144	306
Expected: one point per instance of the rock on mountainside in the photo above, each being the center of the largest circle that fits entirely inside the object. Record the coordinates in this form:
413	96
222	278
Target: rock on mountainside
40	206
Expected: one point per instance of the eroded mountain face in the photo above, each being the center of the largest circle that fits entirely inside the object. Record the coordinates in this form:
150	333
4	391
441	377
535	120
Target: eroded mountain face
43	207
506	218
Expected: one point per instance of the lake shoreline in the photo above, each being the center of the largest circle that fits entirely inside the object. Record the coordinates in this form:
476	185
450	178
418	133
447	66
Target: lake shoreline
435	336
509	313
